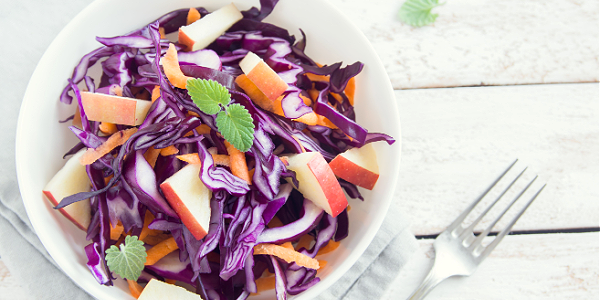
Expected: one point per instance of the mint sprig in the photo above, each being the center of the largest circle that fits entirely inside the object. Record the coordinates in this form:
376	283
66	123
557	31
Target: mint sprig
233	120
417	13
128	261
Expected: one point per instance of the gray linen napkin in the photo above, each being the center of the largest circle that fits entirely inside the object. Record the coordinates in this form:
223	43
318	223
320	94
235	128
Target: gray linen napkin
28	29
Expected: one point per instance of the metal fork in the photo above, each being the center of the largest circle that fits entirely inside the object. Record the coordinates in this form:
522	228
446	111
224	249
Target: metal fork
458	251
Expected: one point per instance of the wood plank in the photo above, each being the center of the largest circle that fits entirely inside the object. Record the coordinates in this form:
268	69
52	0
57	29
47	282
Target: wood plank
477	42
545	266
457	141
9	287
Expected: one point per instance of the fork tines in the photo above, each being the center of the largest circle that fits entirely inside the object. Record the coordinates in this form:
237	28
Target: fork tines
474	244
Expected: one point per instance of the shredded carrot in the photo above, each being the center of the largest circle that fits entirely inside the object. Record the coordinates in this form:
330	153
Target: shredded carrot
314	94
155	93
350	90
348	208
251	172
154	240
305	242
170	281
117	139
322	264
203	129
192	16
170	150
107	179
238	165
117	231
331	245
221	160
134	288
275	222
108	128
172	70
288	245
77	119
162	32
264	284
148	218
191	158
160	250
315	77
287	254
151	155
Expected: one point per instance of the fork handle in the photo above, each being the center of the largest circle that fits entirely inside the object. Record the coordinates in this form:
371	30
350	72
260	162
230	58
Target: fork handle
432	279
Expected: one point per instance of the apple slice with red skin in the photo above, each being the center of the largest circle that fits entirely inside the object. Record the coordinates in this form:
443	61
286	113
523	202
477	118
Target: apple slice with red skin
70	180
190	199
265	79
358	166
160	290
317	182
114	109
201	33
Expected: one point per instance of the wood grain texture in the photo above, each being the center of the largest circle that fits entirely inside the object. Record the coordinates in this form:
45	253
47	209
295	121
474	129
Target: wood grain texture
544	266
456	141
475	42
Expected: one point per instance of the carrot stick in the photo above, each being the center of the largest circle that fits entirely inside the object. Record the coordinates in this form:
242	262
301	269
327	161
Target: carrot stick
170	281
238	165
154	240
117	231
192	16
160	250
191	158
287	245
148	218
108	128
151	155
170	150
256	95
350	89
331	245
286	254
304	242
134	288
115	140
172	70
264	284
203	129
155	93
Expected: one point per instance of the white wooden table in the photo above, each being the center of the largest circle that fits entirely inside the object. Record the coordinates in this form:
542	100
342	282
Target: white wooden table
489	82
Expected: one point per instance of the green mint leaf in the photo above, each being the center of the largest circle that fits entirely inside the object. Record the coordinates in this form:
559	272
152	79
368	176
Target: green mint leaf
235	124
127	262
208	95
417	13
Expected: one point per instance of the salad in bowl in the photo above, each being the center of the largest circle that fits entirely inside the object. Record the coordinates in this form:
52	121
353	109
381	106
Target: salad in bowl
209	154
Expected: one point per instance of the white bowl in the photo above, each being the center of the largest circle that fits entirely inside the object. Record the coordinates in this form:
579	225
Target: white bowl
42	140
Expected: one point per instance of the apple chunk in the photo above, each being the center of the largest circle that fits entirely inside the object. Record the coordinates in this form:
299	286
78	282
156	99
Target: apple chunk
190	198
265	78
156	289
70	180
201	33
317	182
114	109
358	166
